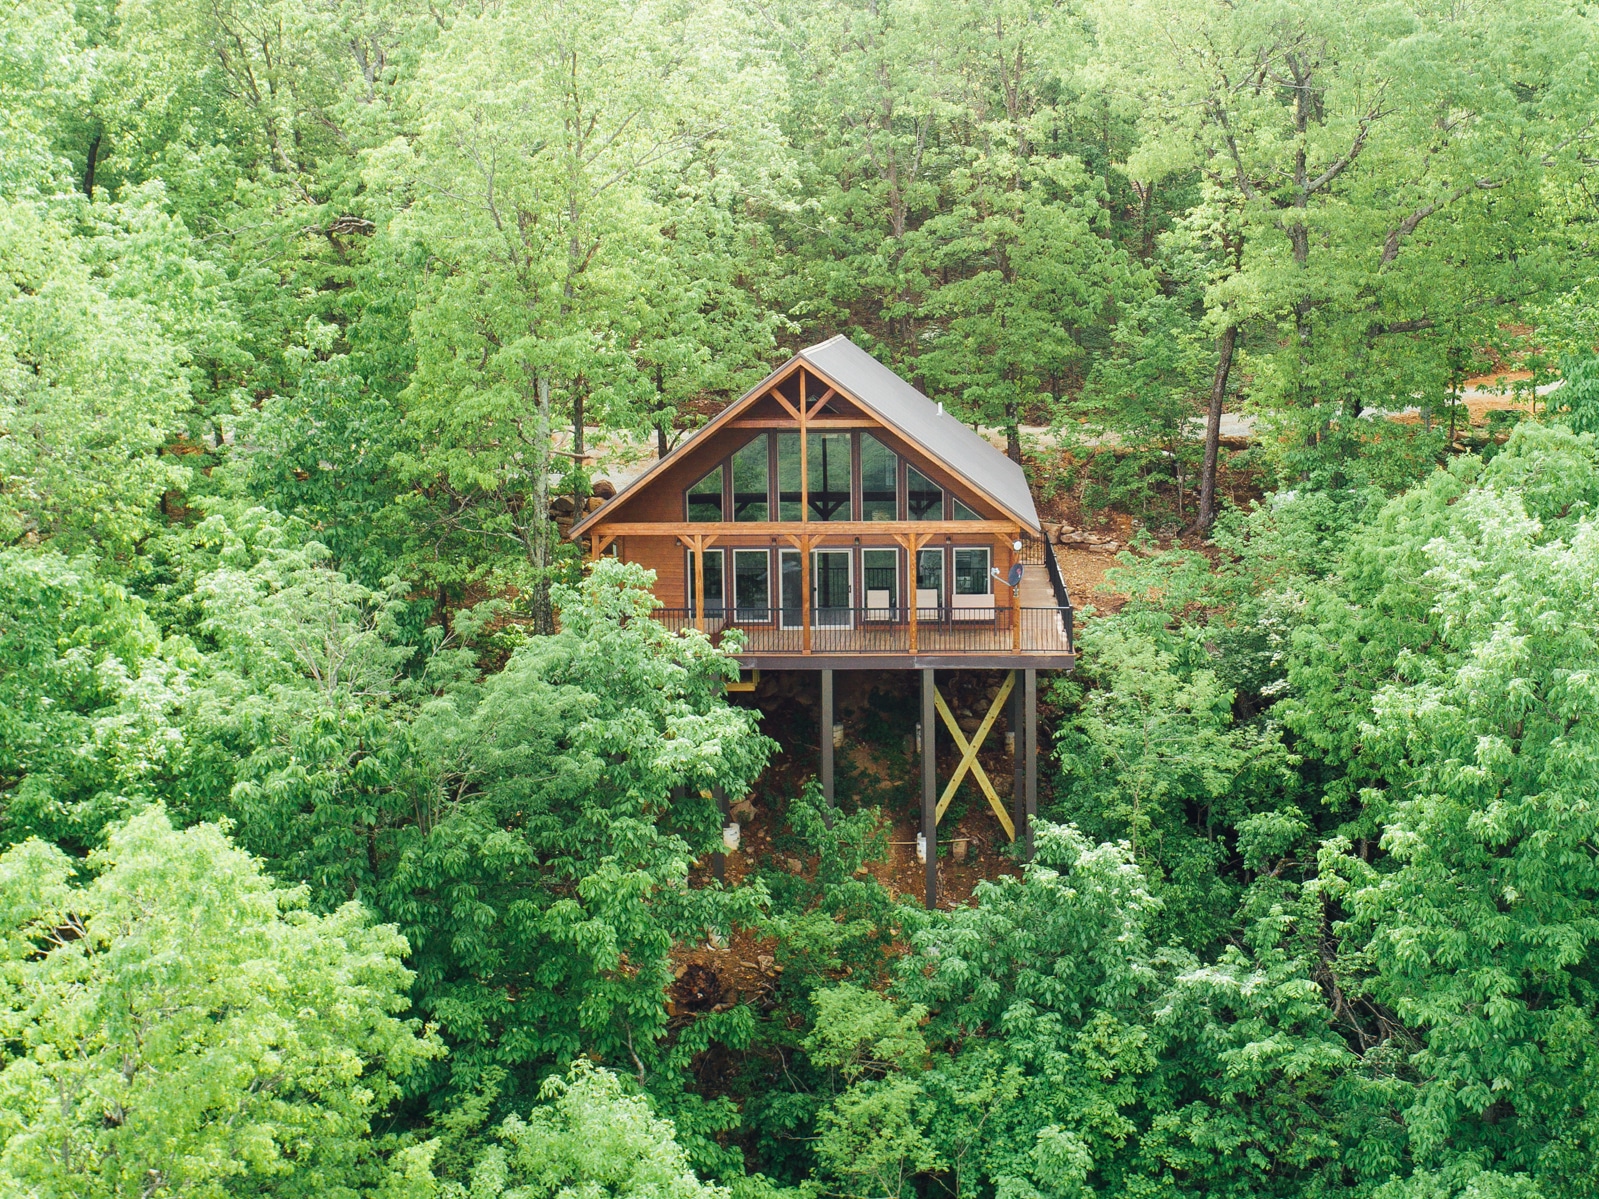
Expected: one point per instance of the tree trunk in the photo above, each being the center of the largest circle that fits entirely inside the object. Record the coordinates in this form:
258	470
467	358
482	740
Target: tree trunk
664	418
88	166
1013	434
537	538
1218	390
578	394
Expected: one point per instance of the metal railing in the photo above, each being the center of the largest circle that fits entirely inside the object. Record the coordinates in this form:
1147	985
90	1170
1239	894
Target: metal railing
942	630
1063	599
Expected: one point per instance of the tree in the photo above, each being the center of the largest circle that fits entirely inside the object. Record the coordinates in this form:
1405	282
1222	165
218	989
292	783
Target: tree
86	702
546	882
90	391
1479	933
1334	141
180	1024
538	193
589	1135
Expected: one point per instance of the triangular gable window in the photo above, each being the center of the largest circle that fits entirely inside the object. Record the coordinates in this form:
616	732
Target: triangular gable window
705	498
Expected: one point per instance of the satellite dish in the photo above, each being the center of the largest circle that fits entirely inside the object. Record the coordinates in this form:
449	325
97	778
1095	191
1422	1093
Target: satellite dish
1015	578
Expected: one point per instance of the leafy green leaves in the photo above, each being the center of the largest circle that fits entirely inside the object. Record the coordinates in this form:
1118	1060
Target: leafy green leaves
179	1023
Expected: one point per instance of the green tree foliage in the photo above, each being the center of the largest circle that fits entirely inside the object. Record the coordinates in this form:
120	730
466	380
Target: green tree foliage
179	1024
85	701
536	199
90	394
307	312
589	1136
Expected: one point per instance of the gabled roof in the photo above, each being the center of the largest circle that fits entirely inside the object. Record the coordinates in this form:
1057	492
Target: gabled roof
889	398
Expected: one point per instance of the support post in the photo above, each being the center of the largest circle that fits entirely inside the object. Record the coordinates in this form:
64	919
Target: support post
1018	756
1030	718
930	785
719	863
827	741
1016	602
805	586
699	583
805	462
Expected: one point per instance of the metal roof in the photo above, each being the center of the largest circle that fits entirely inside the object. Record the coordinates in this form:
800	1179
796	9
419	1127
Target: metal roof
897	404
924	423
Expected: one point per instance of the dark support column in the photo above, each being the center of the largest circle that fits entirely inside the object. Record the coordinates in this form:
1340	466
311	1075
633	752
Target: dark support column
1030	719
930	786
827	741
1018	757
719	864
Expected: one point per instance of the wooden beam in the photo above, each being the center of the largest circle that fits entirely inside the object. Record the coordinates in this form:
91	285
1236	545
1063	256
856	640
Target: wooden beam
805	594
815	422
907	543
1030	719
1016	603
820	404
969	756
827	743
929	786
830	528
805	491
699	583
1018	745
783	400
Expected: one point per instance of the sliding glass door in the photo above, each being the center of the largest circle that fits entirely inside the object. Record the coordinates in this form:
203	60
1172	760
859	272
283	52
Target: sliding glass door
830	587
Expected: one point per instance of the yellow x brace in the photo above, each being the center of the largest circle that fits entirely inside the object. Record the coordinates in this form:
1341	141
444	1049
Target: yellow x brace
969	754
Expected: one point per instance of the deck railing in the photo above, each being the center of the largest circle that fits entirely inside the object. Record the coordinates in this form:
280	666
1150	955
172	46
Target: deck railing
1057	584
961	630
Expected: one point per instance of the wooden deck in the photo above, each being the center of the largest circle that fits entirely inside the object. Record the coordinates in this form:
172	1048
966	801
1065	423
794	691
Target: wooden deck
863	639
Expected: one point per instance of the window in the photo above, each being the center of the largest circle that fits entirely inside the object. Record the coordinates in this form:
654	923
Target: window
929	579
828	465
881	571
788	476
752	585
705	497
831	587
879	480
792	570
962	512
750	473
714	592
924	498
971	572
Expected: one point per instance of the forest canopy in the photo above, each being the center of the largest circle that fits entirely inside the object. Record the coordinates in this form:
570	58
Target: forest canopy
356	834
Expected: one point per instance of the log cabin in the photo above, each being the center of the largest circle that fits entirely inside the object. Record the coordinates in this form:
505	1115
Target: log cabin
838	519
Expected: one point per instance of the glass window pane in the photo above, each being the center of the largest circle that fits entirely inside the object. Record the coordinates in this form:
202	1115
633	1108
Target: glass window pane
749	481
879	480
881	568
793	579
788	476
828	463
830	586
715	593
962	512
971	572
705	497
924	499
752	594
930	570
